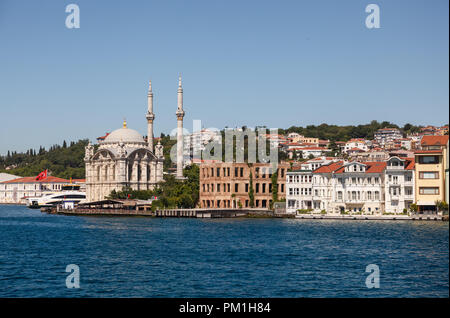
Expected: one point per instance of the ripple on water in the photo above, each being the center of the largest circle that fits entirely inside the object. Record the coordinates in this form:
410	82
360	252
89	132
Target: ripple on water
148	257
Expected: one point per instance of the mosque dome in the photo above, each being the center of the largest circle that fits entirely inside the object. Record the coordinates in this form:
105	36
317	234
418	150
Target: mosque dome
125	135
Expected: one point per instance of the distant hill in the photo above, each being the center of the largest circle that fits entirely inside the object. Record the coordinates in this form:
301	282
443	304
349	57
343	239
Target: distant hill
344	133
64	161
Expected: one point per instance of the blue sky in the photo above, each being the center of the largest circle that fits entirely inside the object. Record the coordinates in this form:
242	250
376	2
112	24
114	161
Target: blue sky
247	62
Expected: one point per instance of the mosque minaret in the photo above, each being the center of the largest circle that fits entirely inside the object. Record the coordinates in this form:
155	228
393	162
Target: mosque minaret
180	139
150	117
124	159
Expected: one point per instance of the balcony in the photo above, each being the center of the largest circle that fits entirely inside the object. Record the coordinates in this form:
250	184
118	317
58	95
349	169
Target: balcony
395	168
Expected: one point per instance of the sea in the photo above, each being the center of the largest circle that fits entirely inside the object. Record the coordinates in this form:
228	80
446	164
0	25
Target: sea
43	255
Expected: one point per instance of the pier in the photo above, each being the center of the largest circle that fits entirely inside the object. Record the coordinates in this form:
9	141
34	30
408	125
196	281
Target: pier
175	213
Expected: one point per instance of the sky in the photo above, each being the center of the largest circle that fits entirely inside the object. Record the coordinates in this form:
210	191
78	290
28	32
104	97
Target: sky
243	62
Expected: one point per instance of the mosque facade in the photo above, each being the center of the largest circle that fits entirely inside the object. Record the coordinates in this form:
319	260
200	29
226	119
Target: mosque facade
124	159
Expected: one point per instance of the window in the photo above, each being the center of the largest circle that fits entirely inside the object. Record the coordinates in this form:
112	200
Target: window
218	172
236	187
429	190
339	194
246	187
428	159
218	187
428	175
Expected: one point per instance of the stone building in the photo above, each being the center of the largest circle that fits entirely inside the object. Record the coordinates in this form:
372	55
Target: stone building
227	185
125	159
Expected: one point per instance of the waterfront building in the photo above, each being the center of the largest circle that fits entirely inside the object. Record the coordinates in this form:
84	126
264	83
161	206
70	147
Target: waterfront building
387	135
431	172
399	184
227	185
298	190
337	187
124	159
17	190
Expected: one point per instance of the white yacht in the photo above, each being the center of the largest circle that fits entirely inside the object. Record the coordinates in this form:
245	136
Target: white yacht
69	193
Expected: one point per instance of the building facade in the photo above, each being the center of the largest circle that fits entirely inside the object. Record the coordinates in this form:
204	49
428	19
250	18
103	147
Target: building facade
227	185
399	184
384	136
431	172
338	187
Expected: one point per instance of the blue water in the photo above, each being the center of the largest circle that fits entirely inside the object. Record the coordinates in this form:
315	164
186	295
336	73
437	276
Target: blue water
153	257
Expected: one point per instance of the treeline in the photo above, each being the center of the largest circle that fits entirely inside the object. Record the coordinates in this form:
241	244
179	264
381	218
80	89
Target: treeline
345	133
63	161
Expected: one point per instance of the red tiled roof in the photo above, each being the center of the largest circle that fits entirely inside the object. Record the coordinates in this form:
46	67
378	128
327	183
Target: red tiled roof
49	179
375	167
434	140
79	180
409	164
371	167
329	168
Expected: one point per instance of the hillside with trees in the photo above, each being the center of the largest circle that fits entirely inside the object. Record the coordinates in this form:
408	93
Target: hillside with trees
344	133
63	161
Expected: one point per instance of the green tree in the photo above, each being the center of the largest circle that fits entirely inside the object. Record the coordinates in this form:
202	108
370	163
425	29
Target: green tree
251	194
274	180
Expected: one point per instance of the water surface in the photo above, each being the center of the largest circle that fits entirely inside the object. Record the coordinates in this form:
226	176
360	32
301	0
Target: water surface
156	257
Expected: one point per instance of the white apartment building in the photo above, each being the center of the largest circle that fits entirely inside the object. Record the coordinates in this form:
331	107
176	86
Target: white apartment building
357	187
399	184
298	190
356	143
387	135
196	142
